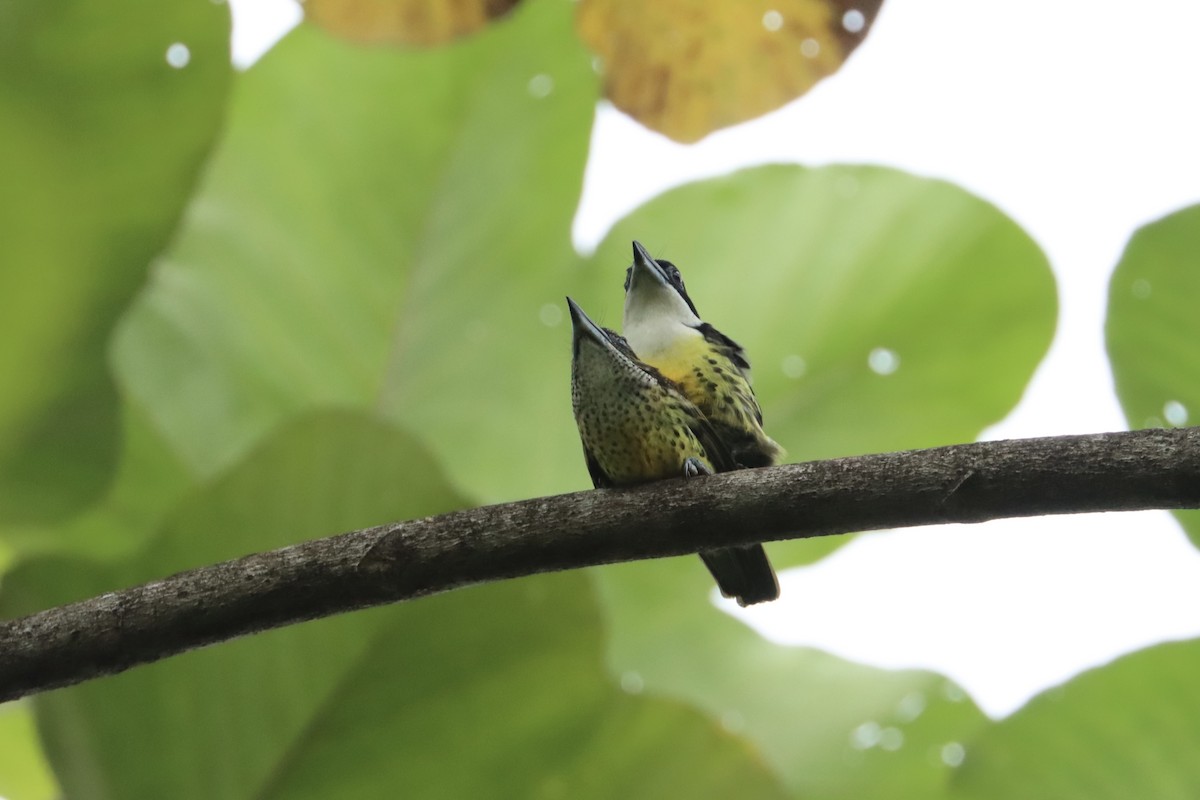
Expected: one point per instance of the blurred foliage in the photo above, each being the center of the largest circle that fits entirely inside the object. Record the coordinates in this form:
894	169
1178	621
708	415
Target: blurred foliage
1075	743
800	706
405	22
359	318
686	69
24	772
147	481
814	271
337	254
1153	329
682	68
100	143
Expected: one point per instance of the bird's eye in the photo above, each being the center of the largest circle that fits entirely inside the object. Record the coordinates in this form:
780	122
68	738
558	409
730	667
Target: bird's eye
628	277
671	271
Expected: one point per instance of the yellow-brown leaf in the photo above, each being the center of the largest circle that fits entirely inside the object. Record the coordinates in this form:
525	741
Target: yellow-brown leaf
405	22
688	67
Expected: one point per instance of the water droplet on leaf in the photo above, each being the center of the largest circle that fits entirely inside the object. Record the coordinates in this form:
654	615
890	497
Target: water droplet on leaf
1175	413
953	754
793	366
883	361
178	55
541	85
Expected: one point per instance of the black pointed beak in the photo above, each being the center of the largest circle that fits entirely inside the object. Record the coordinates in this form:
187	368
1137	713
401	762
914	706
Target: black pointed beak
583	327
612	345
643	263
647	268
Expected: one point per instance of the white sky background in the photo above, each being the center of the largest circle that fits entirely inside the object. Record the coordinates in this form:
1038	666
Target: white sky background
1080	120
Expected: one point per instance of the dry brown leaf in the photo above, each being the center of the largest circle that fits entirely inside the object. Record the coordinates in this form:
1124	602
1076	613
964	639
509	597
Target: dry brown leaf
688	67
405	22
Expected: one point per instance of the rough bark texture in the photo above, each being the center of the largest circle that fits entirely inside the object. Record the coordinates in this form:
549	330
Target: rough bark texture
404	560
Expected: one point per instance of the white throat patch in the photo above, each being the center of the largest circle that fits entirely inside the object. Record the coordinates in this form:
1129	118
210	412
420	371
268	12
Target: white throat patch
656	318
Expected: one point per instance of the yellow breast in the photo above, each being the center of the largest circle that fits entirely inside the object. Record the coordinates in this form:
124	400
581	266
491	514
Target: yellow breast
709	380
718	388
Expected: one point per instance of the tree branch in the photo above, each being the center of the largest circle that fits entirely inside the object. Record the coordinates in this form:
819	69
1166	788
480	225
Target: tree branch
964	483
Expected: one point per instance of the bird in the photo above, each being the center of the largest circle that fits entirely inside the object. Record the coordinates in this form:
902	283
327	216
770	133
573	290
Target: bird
636	426
662	325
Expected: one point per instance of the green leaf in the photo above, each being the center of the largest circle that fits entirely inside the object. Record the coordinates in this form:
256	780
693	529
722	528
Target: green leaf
804	709
148	481
1128	729
1153	328
501	692
380	230
811	270
24	773
100	142
494	691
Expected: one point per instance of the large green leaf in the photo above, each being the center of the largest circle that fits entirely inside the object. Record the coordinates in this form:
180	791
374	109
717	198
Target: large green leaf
100	143
498	691
812	270
502	692
381	230
1128	729
822	273
1153	328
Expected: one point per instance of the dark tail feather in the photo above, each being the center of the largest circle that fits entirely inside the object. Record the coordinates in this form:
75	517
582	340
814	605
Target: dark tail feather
743	573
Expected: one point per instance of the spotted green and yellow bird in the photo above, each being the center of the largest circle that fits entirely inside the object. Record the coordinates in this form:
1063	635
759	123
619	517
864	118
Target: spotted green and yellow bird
636	427
664	329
